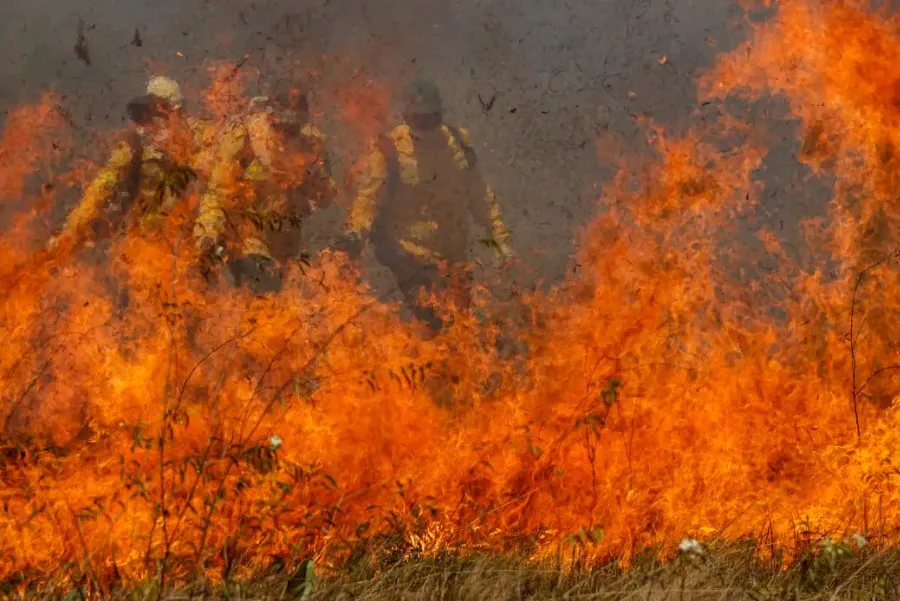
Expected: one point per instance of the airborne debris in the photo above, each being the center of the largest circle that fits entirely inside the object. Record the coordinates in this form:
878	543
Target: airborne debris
66	115
487	105
81	48
240	64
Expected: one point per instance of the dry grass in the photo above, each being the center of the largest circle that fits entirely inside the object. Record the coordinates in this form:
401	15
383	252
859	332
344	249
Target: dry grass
727	573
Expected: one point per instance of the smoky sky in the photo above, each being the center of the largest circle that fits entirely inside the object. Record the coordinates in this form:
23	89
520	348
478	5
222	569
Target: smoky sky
561	73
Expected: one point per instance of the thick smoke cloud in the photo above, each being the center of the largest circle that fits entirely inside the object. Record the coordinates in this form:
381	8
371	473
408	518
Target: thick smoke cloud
563	73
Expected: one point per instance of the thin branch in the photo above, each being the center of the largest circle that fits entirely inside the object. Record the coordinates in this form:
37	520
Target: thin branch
18	402
855	392
262	378
206	451
875	374
204	359
321	349
859	570
207	519
87	556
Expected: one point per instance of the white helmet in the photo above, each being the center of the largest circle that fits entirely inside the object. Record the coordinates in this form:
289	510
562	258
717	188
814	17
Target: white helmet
260	104
167	88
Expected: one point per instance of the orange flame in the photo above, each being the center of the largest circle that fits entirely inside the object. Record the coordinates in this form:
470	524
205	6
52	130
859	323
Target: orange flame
655	395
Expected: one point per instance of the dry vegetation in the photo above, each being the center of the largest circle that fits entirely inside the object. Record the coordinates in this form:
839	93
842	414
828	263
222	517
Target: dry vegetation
729	572
196	437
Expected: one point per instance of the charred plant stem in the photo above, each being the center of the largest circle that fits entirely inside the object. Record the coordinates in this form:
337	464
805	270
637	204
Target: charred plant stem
207	518
875	374
163	512
205	457
171	366
322	347
205	358
87	556
855	391
15	405
259	384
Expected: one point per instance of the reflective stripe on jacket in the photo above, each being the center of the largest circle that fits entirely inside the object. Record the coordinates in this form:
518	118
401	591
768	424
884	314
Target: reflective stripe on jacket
392	175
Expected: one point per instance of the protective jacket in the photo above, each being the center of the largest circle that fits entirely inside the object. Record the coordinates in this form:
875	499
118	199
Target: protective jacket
134	186
263	184
416	191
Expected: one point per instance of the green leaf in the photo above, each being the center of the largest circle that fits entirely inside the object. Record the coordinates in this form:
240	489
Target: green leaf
302	581
610	395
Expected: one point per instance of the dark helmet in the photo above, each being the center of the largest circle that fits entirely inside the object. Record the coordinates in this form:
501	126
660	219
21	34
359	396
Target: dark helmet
422	103
290	103
144	109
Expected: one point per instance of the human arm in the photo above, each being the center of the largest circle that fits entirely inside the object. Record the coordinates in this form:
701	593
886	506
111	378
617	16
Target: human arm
98	192
372	176
211	221
484	206
204	136
486	209
366	186
263	141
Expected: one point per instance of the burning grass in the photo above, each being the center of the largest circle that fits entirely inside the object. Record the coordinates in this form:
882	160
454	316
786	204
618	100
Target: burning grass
157	429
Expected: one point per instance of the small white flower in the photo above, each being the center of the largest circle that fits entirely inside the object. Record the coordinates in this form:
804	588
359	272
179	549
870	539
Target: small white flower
690	545
860	540
276	441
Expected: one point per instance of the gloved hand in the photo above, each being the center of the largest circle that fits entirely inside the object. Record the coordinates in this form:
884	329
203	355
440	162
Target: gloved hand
211	257
506	251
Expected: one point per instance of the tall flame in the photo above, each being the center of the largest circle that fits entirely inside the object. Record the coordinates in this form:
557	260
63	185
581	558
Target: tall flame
654	394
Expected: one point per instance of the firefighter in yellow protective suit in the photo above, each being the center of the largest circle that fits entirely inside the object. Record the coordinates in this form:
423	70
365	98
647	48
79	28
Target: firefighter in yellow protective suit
146	174
271	172
417	188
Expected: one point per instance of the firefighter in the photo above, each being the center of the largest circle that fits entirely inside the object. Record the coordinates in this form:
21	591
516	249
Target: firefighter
413	198
271	172
146	173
